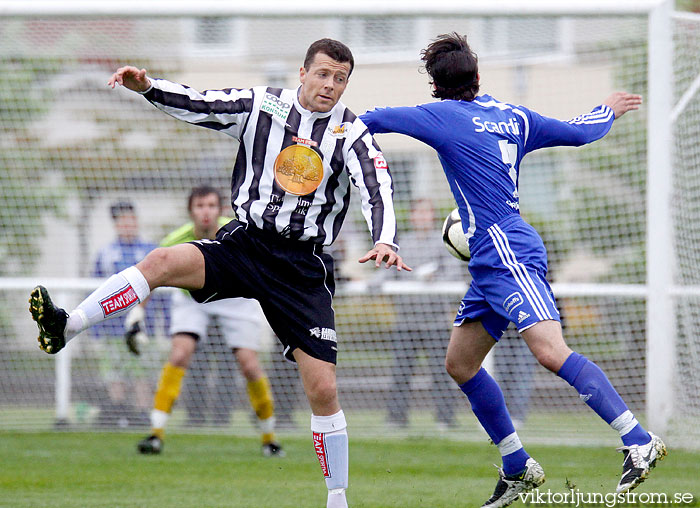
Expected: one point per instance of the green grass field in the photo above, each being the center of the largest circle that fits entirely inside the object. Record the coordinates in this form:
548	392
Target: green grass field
69	470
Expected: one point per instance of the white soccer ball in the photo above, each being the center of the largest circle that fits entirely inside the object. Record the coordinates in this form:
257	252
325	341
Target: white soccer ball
454	238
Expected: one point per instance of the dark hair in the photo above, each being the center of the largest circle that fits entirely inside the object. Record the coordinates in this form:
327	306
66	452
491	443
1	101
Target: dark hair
200	192
453	67
120	208
334	49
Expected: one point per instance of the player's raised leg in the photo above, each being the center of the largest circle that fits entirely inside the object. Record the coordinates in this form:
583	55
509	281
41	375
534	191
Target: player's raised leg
178	266
469	345
327	424
642	449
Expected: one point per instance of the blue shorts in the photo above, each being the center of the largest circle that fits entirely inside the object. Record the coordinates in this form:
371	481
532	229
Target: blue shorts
509	280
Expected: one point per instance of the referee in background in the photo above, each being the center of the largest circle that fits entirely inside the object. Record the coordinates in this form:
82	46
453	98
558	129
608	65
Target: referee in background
300	149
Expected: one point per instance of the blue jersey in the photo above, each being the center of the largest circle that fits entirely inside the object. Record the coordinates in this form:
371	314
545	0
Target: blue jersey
480	144
120	255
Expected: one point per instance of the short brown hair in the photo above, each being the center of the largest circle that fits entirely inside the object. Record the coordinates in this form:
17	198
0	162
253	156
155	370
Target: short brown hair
200	192
121	208
453	67
334	49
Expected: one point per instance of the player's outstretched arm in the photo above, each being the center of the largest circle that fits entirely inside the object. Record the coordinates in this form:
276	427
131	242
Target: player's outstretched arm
622	102
130	77
383	252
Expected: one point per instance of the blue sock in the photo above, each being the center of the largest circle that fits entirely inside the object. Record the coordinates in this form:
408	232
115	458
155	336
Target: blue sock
595	389
489	406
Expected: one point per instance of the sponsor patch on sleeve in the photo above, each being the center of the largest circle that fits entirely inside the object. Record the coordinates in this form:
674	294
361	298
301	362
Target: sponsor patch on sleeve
380	162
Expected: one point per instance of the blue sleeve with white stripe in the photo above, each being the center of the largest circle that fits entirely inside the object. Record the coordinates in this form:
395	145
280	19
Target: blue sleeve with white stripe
546	132
418	122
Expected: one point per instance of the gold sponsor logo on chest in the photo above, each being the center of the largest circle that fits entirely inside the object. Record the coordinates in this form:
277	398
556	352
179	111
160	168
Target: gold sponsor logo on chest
298	170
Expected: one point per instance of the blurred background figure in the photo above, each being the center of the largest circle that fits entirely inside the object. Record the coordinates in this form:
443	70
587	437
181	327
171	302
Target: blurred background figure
420	334
209	395
125	376
240	323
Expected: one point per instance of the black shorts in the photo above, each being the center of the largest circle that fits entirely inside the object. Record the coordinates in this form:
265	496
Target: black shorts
292	280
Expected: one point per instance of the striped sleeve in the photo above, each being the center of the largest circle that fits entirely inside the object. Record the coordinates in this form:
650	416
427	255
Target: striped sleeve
369	172
223	110
545	132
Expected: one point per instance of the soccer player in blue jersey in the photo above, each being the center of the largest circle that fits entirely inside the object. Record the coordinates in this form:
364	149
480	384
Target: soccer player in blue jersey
480	142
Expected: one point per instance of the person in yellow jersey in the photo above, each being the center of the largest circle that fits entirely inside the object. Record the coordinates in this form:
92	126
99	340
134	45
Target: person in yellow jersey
241	325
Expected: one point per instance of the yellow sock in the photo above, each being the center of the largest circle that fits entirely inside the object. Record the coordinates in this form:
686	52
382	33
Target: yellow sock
169	387
261	399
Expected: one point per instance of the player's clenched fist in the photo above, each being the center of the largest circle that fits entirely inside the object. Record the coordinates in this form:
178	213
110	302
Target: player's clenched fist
132	78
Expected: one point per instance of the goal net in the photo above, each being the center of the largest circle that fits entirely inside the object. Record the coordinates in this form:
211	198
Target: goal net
72	147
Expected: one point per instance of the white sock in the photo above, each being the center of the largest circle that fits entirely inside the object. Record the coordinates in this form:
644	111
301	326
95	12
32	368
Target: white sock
331	446
336	499
267	426
624	423
509	444
114	297
159	419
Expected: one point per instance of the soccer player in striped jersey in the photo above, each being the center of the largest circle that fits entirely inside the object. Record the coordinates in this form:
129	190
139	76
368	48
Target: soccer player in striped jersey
480	142
240	320
299	152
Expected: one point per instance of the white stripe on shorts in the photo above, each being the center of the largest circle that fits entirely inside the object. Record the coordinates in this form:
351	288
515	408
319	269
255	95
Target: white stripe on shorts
519	272
538	295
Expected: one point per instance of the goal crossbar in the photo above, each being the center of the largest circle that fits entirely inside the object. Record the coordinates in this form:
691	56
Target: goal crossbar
307	8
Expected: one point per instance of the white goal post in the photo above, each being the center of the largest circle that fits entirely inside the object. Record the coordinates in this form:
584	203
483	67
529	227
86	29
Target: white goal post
664	292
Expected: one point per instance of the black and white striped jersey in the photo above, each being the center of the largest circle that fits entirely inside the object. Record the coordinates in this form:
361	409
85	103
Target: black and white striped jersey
302	192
